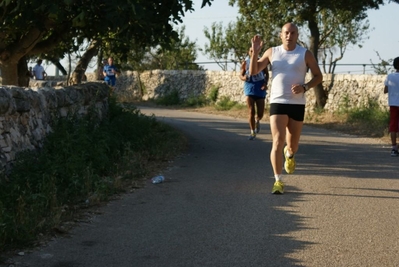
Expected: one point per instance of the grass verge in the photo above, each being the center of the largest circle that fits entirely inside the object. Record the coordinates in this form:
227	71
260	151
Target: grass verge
366	121
82	163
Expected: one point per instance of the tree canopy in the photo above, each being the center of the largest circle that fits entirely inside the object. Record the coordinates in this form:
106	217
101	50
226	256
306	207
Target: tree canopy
320	19
231	43
178	54
53	28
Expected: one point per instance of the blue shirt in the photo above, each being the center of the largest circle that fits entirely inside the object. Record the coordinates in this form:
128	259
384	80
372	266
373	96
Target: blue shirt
108	70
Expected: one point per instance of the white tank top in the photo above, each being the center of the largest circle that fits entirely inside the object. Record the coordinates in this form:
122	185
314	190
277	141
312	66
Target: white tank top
288	68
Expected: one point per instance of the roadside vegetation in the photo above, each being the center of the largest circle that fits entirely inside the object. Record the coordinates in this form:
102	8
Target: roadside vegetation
82	164
368	120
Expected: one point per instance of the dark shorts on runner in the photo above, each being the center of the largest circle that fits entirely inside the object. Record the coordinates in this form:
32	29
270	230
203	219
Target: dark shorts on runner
293	111
255	97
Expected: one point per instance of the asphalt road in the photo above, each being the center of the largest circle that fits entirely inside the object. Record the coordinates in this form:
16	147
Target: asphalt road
215	208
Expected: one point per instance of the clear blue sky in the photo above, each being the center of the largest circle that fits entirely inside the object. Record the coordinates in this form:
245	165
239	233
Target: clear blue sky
383	38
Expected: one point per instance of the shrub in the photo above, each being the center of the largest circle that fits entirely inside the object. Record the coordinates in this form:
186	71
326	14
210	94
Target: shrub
80	162
195	101
169	99
370	114
213	94
225	103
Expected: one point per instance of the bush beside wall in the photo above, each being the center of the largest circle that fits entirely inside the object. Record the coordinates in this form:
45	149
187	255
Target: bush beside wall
27	114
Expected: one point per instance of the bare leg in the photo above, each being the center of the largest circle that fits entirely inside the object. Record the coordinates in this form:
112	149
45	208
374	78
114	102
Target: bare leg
278	124
260	108
294	130
251	110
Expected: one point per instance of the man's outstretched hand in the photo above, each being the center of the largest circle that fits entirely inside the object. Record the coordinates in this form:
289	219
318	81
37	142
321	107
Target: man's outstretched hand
257	44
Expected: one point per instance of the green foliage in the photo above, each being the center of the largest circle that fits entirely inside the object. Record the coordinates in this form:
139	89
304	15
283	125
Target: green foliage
318	110
80	163
371	113
344	30
143	88
326	27
217	49
202	100
225	103
214	93
170	99
54	28
382	68
314	116
195	101
239	34
231	43
177	54
344	105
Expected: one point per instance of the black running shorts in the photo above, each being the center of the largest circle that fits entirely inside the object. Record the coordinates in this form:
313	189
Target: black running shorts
255	97
295	112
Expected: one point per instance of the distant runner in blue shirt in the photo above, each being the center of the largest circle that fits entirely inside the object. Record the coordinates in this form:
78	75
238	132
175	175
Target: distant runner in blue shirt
110	72
255	90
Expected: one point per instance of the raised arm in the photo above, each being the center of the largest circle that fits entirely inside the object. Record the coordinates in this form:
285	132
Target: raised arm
257	65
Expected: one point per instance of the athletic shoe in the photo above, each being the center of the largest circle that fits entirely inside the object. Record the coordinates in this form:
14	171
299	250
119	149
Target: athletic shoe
394	153
278	188
257	126
252	136
289	164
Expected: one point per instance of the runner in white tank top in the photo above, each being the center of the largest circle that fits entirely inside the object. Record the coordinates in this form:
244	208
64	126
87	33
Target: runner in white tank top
288	68
287	95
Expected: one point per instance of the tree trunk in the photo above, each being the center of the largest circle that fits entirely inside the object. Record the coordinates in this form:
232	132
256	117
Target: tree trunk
23	73
79	72
13	53
9	73
321	97
140	85
100	65
69	69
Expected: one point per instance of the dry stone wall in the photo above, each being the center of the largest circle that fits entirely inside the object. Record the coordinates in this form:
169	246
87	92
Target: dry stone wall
27	114
353	91
344	90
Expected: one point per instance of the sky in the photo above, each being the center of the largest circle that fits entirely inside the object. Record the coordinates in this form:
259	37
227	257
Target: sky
383	38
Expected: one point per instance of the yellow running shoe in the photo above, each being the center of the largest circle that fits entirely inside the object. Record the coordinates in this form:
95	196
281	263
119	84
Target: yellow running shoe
257	126
278	188
289	164
252	136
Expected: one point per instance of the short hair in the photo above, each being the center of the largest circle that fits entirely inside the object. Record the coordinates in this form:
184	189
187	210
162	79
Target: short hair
396	63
